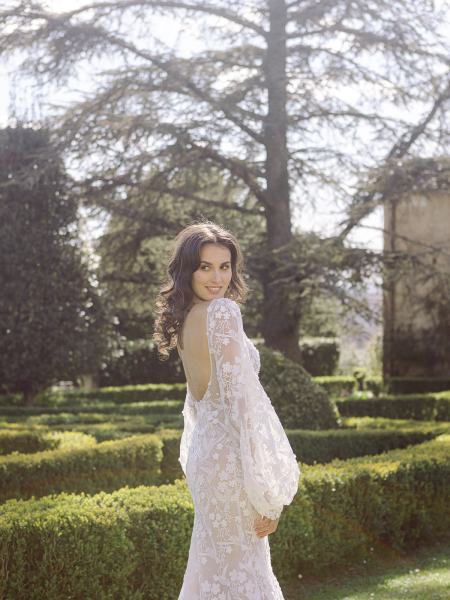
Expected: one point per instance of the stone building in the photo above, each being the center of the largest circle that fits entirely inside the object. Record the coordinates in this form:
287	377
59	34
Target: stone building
416	298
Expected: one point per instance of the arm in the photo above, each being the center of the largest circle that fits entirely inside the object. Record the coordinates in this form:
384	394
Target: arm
271	471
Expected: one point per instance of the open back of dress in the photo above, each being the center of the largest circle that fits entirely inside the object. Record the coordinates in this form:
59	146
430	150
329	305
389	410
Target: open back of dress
193	350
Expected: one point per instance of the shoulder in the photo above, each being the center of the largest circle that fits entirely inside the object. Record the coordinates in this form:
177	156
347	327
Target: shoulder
223	304
217	307
224	310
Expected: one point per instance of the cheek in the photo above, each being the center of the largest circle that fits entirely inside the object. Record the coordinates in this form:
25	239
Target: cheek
198	277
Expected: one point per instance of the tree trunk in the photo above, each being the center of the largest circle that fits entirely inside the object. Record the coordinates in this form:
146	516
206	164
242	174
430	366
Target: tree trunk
29	396
280	325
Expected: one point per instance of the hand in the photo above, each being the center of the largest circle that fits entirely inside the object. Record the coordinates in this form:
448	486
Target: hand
264	526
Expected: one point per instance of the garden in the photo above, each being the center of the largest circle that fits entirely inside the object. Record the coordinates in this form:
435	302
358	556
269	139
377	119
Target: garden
316	135
94	503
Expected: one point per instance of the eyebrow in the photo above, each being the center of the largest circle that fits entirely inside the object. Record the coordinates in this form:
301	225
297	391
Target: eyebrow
208	263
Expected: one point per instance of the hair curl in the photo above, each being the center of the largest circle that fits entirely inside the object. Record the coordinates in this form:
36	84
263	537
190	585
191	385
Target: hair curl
175	296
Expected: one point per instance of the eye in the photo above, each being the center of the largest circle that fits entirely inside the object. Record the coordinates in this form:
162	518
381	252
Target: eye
225	267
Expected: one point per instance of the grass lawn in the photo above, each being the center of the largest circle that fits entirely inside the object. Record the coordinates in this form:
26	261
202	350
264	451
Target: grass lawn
420	575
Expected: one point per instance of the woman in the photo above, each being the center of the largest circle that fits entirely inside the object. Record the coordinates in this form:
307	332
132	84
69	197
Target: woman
238	463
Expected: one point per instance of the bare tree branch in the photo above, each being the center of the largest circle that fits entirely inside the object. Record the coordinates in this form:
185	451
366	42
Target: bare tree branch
365	202
210	9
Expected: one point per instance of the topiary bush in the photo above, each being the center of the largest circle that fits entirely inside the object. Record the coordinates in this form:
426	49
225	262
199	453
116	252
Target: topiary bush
320	355
299	402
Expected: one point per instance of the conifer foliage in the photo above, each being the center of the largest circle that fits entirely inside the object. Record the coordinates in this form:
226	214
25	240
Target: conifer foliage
51	315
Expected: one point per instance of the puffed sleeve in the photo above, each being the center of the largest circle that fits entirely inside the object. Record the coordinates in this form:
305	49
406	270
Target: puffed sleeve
189	413
270	468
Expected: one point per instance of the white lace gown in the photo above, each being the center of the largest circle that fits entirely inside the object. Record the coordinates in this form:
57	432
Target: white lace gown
238	462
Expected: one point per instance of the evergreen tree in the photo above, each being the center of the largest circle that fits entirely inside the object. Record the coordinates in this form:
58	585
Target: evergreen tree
52	319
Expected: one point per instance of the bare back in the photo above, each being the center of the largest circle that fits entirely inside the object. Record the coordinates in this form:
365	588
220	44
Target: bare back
193	350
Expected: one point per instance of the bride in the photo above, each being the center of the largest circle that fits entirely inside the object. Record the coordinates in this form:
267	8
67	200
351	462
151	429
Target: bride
238	463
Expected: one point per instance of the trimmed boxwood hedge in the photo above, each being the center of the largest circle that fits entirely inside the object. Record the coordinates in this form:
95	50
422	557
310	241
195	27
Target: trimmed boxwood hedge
312	447
132	408
417	385
419	406
26	442
30	441
104	466
117	430
133	543
345	385
127	393
334	385
135	460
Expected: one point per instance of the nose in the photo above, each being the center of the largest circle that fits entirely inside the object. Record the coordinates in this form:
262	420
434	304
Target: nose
216	277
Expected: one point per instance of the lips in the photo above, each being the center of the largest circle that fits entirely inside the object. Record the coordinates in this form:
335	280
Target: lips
213	290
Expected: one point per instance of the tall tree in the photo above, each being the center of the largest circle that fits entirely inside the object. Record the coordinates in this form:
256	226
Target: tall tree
289	99
134	248
52	319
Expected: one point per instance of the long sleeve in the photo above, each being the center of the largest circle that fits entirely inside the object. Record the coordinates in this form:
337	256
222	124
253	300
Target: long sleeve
270	468
190	416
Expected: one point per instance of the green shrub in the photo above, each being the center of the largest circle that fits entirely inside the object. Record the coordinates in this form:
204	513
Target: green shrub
382	423
410	406
336	385
312	447
139	364
105	466
374	385
92	411
170	465
28	442
11	399
134	543
298	401
129	544
320	355
397	500
120	429
150	392
417	385
345	385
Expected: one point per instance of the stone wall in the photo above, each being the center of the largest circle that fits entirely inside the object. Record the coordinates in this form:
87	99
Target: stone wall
416	302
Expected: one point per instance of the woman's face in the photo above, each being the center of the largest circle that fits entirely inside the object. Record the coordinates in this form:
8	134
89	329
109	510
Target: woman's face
213	276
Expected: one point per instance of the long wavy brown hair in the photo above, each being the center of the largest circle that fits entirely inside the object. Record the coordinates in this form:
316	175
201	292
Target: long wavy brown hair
175	296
